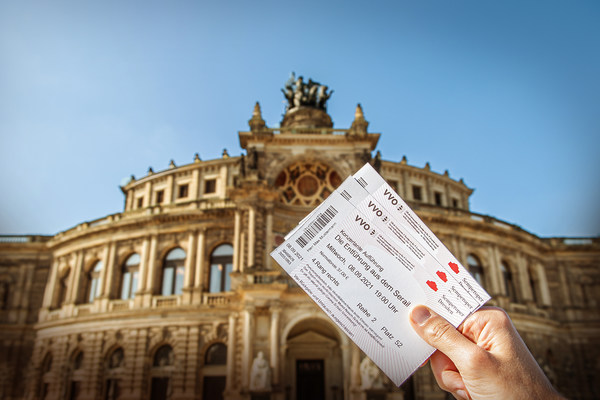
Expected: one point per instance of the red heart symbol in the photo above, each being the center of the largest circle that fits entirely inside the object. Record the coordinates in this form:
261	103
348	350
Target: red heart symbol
454	267
442	276
432	285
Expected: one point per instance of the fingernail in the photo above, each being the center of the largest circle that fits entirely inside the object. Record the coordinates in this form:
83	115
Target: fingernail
462	394
420	314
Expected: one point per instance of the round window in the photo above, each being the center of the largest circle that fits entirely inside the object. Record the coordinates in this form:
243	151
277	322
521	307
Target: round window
306	184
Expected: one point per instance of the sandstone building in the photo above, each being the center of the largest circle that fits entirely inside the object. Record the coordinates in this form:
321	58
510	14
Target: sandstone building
176	296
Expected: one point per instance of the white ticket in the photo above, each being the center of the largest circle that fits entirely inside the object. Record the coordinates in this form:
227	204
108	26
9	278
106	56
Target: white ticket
366	266
406	217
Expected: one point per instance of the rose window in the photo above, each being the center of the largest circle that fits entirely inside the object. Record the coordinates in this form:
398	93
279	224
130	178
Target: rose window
305	184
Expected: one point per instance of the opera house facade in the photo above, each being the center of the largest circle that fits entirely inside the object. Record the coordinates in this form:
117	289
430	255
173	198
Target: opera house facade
176	297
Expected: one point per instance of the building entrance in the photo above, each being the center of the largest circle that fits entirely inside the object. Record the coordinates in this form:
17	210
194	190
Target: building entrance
310	380
213	387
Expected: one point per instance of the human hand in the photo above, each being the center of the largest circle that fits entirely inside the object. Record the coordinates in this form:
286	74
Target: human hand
485	358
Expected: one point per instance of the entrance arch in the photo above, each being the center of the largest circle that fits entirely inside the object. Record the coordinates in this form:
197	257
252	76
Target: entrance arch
313	367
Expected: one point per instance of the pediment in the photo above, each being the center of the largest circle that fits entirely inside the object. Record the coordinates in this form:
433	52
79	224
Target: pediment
311	337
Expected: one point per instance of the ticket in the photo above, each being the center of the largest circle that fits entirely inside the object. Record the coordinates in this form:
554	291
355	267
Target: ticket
406	217
366	266
452	301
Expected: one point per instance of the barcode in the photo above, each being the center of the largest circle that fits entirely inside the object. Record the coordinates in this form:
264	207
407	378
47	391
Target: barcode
362	182
316	226
346	195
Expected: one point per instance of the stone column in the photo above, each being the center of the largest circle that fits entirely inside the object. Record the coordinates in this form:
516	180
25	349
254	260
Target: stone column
143	266
129	201
447	192
50	291
274	338
190	259
242	250
545	298
248	315
195	185
110	266
137	340
26	288
236	240
346	350
188	273
495	275
230	353
251	235
355	368
170	190
148	195
462	254
405	184
149	286
75	278
429	192
564	286
268	238
103	273
523	280
222	182
200	262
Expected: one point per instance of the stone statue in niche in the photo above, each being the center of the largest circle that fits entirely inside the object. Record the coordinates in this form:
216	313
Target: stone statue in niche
116	359
370	375
260	374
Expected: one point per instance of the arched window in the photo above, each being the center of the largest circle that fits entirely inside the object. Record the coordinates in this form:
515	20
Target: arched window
112	383
163	356
45	378
173	270
509	283
221	265
476	269
216	355
129	276
94	281
162	365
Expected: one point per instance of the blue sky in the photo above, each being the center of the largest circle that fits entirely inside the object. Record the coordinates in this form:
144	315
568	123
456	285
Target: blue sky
503	94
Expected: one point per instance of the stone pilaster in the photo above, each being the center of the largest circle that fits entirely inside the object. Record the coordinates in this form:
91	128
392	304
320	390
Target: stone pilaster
274	340
110	266
268	238
149	285
75	279
247	341
143	272
51	287
229	386
189	271
200	266
237	240
251	236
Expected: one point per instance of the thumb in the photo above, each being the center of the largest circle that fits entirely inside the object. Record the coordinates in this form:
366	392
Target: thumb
440	334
